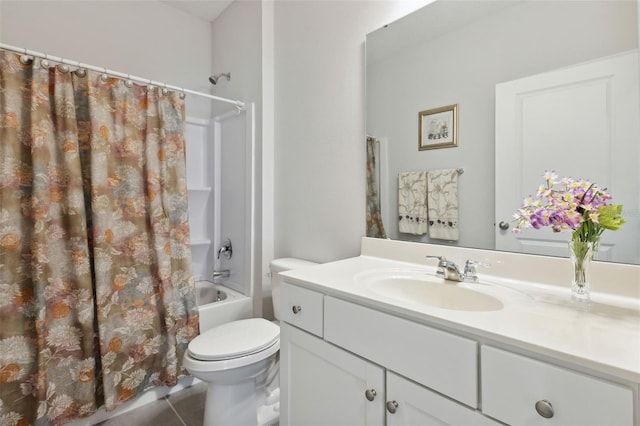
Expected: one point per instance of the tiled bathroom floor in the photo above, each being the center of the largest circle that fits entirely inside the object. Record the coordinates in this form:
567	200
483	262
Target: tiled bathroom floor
184	408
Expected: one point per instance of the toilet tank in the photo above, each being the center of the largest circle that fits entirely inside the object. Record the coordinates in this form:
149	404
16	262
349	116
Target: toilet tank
281	265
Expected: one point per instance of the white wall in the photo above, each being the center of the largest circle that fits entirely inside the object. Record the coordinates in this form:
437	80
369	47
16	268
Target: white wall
319	124
142	38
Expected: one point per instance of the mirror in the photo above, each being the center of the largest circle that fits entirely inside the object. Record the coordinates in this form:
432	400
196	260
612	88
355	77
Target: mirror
456	52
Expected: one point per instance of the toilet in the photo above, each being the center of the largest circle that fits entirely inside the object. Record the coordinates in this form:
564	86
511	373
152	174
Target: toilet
233	358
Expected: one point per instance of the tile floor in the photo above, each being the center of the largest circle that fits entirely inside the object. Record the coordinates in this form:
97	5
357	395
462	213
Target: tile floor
184	408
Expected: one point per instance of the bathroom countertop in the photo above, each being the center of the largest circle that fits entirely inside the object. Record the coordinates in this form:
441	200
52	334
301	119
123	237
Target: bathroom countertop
542	319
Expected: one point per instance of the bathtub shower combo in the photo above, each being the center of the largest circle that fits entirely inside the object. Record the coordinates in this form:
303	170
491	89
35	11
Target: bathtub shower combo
235	354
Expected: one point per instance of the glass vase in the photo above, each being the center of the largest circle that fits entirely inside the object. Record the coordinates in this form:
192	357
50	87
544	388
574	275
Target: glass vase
581	255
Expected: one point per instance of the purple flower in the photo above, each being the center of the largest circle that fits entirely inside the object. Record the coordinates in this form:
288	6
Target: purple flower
564	204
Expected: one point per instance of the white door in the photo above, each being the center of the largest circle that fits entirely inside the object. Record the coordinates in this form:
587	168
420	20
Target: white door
413	405
324	385
584	122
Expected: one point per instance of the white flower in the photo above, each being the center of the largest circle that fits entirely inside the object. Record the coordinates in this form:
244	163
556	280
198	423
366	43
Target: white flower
10	419
64	337
133	381
16	349
145	286
103	261
176	309
86	409
108	359
7	293
59	405
139	318
152	346
56	232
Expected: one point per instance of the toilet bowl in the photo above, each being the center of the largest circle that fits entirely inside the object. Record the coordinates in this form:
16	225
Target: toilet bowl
234	357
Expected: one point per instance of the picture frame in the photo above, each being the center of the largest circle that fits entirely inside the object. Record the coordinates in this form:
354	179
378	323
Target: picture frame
438	128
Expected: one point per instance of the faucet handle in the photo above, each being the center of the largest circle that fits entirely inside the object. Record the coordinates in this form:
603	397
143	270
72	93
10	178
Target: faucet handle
440	258
470	268
441	264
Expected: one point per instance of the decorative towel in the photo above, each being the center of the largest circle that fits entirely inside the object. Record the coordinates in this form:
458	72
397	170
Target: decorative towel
412	202
442	196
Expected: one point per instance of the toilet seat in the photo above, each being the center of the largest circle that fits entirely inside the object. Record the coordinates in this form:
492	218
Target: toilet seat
234	339
233	345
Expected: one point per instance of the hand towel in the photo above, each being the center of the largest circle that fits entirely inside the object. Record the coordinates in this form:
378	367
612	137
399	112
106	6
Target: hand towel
442	204
412	202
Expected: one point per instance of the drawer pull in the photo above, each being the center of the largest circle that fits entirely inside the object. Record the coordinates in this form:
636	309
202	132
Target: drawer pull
296	309
544	408
392	406
370	394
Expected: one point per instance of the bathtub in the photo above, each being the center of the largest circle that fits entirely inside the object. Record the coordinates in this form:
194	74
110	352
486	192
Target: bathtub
218	304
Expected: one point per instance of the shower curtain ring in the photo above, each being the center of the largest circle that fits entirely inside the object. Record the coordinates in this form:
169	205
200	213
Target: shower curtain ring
128	82
105	76
62	67
182	94
165	91
26	59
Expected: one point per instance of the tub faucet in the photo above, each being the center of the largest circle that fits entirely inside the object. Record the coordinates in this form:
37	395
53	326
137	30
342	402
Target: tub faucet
449	270
224	273
226	250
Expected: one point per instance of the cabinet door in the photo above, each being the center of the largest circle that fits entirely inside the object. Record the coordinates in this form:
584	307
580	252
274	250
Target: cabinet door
418	406
325	386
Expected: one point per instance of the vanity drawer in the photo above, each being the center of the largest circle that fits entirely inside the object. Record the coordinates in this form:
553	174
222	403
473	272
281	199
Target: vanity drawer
301	307
436	359
513	384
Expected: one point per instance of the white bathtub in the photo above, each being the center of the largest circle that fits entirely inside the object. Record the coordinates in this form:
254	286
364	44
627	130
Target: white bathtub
218	304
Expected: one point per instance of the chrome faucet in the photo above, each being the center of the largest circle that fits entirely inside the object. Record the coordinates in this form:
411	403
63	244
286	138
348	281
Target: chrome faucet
449	270
224	273
226	250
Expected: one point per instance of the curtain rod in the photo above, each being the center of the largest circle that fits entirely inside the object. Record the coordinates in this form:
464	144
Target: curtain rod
238	104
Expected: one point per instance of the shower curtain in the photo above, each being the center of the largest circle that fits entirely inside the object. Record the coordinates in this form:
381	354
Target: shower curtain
375	227
97	297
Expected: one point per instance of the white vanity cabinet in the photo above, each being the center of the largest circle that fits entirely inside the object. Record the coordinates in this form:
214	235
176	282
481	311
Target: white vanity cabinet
338	378
343	363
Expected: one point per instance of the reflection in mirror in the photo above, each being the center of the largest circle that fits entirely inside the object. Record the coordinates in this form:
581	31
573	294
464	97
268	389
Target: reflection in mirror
463	52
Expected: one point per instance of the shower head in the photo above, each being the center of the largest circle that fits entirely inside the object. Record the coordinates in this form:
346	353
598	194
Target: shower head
214	79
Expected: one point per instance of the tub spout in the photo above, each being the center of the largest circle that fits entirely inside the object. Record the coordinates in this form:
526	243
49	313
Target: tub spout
225	273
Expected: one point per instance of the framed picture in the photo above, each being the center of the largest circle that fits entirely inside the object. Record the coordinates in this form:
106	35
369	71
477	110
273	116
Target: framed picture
438	128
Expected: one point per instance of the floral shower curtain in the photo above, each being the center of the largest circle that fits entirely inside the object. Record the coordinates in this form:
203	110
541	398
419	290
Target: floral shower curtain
97	298
375	227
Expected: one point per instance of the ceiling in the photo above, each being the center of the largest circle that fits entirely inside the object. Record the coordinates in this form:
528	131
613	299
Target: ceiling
207	10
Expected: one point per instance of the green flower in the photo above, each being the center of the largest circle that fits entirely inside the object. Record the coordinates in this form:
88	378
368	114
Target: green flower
610	217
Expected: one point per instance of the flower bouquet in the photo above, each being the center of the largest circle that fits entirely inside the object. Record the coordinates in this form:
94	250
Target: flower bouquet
572	205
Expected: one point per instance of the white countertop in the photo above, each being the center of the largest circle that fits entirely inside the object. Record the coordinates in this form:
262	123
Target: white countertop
542	319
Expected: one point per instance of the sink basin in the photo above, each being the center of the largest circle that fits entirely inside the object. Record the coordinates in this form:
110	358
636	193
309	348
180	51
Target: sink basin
422	288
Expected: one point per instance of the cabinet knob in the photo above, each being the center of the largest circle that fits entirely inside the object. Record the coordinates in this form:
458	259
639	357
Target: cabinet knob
503	225
392	406
296	309
370	394
544	408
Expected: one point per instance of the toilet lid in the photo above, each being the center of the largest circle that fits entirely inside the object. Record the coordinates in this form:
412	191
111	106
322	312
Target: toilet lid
234	339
